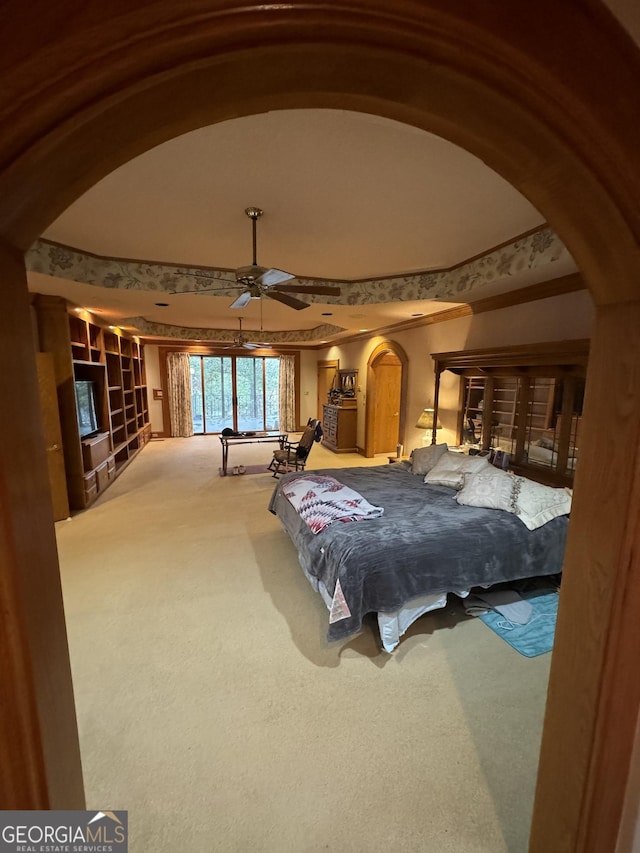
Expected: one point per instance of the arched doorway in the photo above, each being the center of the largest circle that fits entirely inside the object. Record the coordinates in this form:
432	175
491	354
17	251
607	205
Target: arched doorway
386	398
533	104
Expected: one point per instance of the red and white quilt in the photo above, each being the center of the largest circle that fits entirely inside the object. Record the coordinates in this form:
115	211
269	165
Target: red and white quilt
321	500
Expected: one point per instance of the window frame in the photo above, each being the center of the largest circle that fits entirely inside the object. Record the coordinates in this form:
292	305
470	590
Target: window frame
226	350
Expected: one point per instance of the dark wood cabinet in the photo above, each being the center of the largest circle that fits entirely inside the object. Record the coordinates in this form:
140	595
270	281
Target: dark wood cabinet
340	428
95	450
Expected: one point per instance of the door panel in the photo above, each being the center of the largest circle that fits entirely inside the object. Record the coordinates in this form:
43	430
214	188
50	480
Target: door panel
52	435
234	392
326	375
250	394
388	379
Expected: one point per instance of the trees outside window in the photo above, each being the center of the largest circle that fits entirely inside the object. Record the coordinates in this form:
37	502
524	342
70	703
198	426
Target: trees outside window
240	392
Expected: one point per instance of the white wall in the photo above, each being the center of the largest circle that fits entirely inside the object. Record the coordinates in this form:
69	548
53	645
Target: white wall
152	369
308	385
558	318
564	317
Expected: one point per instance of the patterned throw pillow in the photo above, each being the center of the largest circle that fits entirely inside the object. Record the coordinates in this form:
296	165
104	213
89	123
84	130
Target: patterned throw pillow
536	504
491	488
424	458
533	503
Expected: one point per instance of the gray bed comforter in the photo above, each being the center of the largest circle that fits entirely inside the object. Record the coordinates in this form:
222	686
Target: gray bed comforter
424	543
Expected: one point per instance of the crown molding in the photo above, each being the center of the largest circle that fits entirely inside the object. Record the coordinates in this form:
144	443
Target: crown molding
545	290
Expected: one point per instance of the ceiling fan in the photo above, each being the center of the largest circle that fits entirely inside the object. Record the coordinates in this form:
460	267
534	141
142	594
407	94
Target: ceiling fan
259	281
239	340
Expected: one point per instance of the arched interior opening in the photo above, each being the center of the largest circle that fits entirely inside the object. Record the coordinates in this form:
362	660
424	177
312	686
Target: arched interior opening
472	76
386	398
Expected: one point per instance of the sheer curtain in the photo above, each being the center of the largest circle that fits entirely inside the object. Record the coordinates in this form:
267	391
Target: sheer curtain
179	390
287	400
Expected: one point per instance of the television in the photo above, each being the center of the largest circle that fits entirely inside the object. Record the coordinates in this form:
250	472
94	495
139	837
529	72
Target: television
86	407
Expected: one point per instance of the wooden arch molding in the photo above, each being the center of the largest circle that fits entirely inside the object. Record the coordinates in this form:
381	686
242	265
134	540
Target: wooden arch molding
88	86
380	350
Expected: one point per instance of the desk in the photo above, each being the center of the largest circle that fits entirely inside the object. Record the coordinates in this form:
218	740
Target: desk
255	438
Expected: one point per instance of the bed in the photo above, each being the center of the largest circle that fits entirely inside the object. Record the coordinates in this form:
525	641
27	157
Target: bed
424	546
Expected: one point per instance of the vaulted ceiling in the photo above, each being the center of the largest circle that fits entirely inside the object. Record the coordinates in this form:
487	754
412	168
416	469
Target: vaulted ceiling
405	222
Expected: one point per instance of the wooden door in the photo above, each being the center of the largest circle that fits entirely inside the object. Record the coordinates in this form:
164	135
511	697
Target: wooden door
386	421
326	375
52	435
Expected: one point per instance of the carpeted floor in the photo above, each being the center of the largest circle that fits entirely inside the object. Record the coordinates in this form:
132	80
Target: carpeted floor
211	707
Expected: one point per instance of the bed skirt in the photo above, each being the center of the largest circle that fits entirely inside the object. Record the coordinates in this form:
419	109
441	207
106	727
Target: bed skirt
393	625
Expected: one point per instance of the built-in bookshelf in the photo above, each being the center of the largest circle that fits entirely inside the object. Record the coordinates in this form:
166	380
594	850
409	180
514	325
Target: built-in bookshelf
102	395
505	409
525	400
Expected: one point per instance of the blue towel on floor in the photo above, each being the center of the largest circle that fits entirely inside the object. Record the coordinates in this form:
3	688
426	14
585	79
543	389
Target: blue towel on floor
534	638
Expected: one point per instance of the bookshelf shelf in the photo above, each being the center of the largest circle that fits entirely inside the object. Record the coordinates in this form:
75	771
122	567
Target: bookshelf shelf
85	349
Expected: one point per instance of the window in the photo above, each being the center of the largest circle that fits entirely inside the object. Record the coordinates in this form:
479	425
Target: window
240	392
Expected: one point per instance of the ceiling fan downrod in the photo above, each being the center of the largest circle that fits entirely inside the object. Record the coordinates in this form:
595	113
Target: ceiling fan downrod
254	213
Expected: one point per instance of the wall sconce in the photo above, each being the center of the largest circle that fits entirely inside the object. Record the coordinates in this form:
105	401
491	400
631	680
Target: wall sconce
425	422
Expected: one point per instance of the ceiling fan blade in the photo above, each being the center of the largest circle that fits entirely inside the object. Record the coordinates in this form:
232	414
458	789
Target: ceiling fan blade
209	280
320	290
291	301
242	300
207	276
273	276
251	346
204	291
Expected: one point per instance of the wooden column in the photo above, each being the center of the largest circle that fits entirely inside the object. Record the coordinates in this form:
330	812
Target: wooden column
594	691
40	756
436	402
487	407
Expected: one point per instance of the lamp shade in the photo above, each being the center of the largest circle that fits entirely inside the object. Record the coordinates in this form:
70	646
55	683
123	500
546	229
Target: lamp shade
425	421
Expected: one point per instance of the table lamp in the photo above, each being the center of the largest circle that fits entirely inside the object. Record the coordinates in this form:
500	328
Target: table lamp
425	422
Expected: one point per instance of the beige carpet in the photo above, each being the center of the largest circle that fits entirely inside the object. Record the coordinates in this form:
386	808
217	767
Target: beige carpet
212	708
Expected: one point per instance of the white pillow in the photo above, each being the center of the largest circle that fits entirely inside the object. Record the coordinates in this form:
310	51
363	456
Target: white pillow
491	488
536	504
532	502
450	469
424	458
